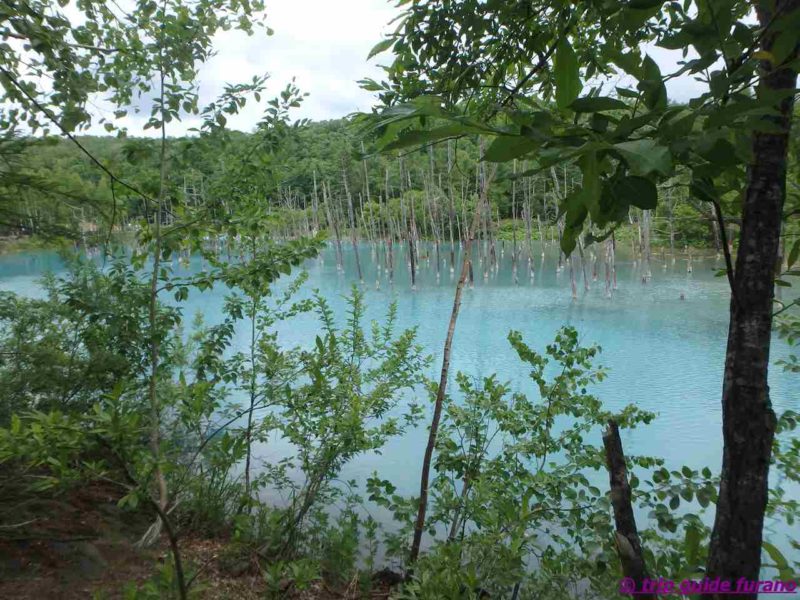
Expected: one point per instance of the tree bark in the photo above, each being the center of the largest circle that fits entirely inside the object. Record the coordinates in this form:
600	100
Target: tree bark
629	548
748	421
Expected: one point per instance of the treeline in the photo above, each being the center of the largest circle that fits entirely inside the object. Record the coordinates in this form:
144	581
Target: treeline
321	179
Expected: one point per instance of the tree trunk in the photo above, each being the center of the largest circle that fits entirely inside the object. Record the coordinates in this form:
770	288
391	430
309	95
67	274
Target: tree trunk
748	421
154	531
646	226
419	525
352	223
629	547
332	224
254	306
411	257
452	215
514	226
583	264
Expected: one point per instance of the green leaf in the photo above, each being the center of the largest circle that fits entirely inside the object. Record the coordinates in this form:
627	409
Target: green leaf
636	191
627	125
418	137
381	46
630	62
369	85
644	4
691	545
591	183
613	209
421	106
784	44
763	55
704	190
645	157
720	152
652	85
794	253
508	147
780	560
596	104
575	207
567	74
626	93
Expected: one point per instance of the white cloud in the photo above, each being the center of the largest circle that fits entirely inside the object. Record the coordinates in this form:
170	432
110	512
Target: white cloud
323	44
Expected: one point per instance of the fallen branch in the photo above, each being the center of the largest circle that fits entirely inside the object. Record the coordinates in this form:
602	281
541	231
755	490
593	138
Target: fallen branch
15	525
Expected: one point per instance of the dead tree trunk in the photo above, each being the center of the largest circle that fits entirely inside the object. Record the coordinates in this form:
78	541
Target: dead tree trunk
352	223
583	264
629	548
646	222
412	250
613	260
315	206
434	226
529	235
514	226
326	200
452	215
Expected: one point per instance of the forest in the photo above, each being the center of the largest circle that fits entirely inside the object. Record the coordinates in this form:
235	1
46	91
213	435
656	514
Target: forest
61	195
524	328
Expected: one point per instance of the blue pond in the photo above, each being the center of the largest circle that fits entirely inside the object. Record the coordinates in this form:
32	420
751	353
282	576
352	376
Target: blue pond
663	341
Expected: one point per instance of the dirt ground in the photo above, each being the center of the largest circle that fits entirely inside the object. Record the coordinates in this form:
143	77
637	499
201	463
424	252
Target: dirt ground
80	544
70	545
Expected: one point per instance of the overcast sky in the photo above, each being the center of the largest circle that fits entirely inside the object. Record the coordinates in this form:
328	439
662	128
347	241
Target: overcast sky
323	44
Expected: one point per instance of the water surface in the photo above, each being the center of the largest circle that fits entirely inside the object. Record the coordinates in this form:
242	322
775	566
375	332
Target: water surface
663	341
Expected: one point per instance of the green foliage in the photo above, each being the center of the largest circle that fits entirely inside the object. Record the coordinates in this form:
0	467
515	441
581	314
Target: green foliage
94	47
89	335
518	478
162	584
567	74
216	175
345	404
301	573
788	326
516	474
782	502
493	76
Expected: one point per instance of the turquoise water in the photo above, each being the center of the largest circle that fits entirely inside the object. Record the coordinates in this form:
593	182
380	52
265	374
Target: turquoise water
663	353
